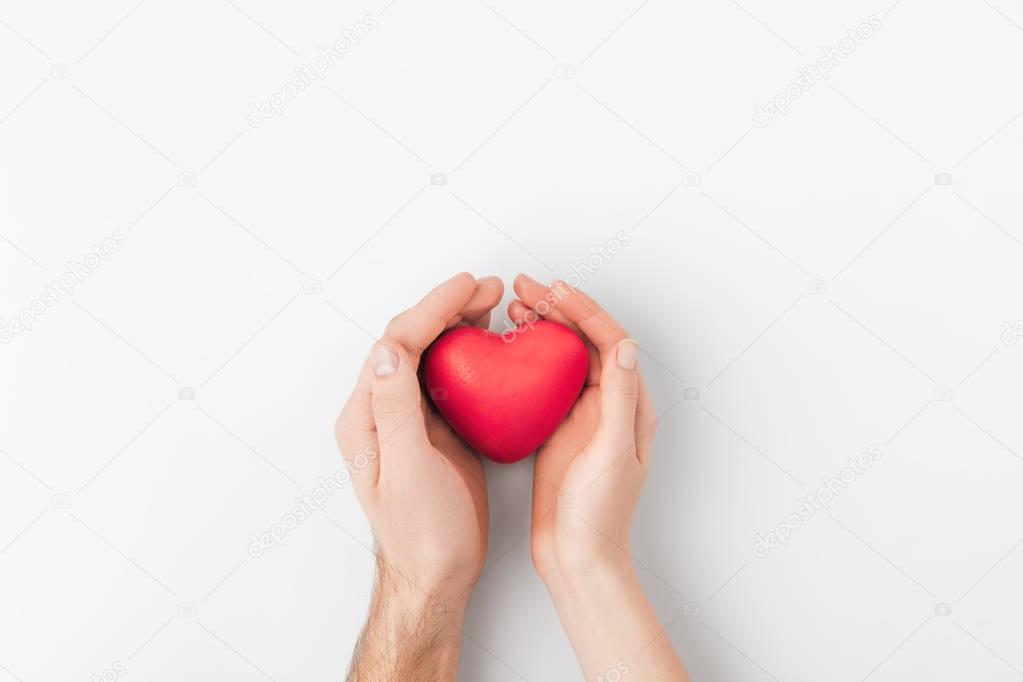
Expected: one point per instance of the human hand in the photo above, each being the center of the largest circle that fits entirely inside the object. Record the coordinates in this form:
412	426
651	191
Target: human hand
587	479
589	474
422	489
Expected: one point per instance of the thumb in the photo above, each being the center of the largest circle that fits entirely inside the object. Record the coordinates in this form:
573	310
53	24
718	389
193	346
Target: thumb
396	401
619	396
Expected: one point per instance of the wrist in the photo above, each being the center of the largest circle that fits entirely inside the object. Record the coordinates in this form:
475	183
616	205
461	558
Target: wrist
429	587
612	625
413	628
581	574
434	600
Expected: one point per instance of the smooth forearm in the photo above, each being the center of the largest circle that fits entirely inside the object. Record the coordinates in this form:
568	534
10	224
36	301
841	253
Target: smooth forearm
414	633
612	626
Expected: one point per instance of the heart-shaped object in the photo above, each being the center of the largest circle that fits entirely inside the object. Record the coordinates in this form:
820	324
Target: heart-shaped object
505	394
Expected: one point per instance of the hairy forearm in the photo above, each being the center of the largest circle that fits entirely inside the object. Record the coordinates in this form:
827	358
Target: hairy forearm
413	633
612	626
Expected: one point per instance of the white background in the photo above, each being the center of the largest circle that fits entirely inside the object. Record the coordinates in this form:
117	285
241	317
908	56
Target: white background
126	511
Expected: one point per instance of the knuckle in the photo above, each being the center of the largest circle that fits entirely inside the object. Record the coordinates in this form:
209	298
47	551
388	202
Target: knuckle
386	406
345	434
628	393
543	555
342	426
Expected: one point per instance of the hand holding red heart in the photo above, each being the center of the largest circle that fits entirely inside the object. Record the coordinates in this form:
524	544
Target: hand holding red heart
586	482
589	474
423	488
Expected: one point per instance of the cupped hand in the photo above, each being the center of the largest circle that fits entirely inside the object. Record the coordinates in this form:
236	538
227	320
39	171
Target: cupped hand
588	476
422	489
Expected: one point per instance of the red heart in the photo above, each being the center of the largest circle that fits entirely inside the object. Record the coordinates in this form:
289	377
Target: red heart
505	394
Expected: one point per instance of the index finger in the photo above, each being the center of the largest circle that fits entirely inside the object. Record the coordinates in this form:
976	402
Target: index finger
576	307
568	305
417	327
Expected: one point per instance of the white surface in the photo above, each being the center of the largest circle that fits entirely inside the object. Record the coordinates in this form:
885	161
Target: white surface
125	512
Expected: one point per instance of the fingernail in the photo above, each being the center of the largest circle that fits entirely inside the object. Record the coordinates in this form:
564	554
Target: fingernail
385	361
627	350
